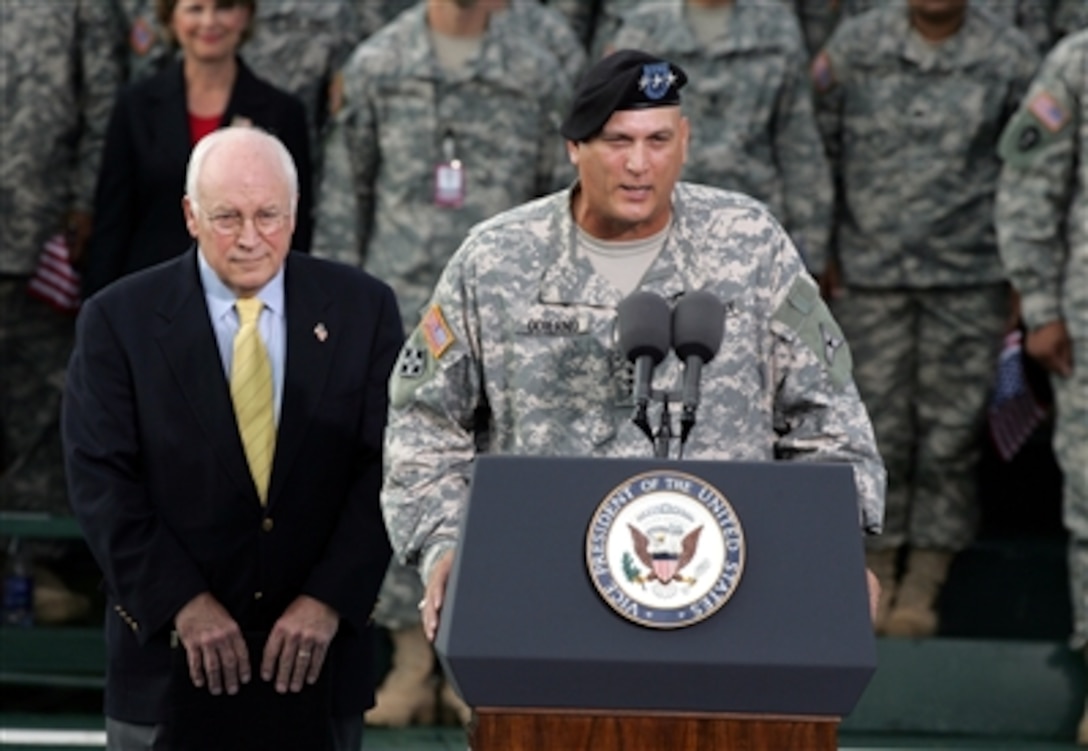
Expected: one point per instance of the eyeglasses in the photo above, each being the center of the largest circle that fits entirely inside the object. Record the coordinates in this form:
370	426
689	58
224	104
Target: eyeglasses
230	223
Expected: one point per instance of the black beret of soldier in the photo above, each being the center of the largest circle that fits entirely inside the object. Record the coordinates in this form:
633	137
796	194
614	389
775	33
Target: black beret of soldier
625	80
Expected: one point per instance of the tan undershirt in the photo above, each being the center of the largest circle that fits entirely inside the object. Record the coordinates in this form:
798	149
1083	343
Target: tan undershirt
453	53
708	24
622	262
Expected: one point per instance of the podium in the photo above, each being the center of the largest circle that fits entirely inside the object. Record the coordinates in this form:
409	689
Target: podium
548	664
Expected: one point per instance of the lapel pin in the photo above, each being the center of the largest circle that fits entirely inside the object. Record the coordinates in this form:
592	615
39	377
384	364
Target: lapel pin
321	332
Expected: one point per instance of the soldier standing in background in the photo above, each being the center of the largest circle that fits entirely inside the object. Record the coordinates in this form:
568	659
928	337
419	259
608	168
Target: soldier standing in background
911	100
46	172
1042	227
450	115
820	17
750	106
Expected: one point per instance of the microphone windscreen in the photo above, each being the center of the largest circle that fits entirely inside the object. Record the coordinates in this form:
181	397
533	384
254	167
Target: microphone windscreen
644	326
698	322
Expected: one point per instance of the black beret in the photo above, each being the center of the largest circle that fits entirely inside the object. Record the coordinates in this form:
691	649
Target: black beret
624	80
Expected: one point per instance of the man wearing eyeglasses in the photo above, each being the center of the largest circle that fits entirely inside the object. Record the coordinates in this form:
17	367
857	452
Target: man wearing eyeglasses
223	425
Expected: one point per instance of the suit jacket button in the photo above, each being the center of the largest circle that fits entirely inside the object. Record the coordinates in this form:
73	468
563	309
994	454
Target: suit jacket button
267	524
258	595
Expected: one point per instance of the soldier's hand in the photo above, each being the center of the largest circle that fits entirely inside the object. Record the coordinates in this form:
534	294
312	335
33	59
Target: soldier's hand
214	647
1051	346
431	605
299	643
830	280
77	233
874	592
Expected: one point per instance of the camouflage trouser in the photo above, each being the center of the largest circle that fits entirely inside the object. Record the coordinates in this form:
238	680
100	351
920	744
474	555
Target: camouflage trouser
398	601
1071	451
924	361
35	342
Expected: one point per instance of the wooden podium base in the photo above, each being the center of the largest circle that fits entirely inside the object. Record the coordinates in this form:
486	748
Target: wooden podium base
583	730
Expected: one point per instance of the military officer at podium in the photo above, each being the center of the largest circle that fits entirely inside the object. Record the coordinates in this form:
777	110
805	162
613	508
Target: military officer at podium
516	353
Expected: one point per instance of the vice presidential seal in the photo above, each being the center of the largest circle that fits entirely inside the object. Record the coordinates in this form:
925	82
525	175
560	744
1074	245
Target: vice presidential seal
665	549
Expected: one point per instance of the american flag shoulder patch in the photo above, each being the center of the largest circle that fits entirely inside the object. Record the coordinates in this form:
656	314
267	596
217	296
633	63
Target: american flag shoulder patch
436	331
1048	111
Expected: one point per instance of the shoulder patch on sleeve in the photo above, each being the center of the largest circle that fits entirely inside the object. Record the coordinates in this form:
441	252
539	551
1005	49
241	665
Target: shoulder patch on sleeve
1048	111
1039	122
415	366
436	331
805	312
821	72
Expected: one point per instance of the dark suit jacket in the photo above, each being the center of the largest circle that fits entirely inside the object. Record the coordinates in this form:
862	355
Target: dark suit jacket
159	482
138	219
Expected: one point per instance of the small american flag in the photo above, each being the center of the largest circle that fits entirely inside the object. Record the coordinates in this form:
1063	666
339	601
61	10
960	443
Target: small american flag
1014	410
55	281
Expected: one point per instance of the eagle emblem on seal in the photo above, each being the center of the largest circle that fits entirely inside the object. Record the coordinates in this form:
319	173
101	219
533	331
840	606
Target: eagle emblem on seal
665	554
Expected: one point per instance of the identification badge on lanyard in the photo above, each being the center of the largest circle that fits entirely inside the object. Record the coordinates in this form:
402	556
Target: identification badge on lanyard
449	176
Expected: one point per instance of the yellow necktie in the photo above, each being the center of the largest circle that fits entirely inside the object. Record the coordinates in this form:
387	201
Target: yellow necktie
251	392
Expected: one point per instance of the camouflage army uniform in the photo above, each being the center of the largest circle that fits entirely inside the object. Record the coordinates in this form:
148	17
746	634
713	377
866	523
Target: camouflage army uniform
1042	221
378	209
298	45
550	28
530	332
374	14
1070	16
39	128
1033	17
597	22
912	129
749	103
820	17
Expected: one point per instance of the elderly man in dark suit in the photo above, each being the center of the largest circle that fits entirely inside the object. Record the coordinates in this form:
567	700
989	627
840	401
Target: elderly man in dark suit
223	426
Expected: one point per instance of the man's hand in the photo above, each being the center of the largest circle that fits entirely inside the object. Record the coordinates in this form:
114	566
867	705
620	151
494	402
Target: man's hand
1051	346
77	233
830	281
435	594
214	646
299	643
874	593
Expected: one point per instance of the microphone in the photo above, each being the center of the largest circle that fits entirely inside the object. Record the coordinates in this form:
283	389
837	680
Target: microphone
698	322
644	338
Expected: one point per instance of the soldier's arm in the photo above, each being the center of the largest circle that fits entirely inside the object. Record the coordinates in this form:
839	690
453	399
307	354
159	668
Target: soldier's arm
344	212
554	170
1039	150
434	393
818	413
806	172
101	67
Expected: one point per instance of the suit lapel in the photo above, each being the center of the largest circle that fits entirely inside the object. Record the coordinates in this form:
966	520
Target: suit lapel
187	341
312	338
